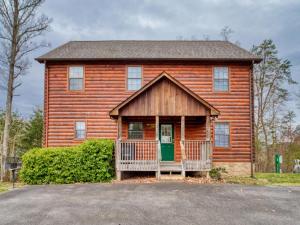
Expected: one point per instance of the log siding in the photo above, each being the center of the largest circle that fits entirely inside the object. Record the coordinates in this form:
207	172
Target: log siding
106	86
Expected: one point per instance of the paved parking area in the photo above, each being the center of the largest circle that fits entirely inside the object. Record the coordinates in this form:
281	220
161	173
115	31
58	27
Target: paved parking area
160	203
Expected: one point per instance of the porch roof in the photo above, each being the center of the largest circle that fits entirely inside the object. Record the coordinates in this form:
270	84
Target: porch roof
164	96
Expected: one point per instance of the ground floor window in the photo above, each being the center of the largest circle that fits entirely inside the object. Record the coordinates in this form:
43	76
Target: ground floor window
222	134
80	130
135	130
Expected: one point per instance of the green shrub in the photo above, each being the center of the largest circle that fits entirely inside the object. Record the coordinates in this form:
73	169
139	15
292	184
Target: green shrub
96	160
92	161
216	173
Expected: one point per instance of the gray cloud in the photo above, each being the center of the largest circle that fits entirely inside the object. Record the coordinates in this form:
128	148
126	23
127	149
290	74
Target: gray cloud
251	20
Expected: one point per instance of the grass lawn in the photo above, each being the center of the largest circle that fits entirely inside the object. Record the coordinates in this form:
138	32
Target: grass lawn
5	186
283	179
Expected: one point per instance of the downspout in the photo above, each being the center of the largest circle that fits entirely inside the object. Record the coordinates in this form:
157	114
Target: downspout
251	119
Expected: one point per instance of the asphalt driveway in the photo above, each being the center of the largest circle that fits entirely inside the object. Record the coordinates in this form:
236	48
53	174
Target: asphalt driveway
161	203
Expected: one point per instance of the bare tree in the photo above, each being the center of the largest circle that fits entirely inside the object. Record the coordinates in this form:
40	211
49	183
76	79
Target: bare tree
206	37
20	25
226	33
288	129
270	79
298	99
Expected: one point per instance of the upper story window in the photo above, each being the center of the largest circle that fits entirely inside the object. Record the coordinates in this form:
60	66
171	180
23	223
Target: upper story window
135	130
222	134
80	130
134	78
76	78
221	80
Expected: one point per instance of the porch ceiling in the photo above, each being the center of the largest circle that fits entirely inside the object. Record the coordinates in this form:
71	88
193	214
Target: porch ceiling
164	96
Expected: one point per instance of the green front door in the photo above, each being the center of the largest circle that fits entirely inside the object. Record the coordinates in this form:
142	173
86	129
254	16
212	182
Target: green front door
166	136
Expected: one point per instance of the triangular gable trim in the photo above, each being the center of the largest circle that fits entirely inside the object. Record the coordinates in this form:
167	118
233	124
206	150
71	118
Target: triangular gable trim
115	111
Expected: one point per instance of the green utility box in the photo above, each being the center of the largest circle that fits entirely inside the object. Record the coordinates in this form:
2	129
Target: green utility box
278	161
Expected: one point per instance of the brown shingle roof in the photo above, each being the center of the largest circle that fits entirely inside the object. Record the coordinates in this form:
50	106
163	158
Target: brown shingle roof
150	50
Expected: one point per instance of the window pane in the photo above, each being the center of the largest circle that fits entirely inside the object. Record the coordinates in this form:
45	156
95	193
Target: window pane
80	134
136	126
135	134
135	130
134	84
76	72
134	80
221	73
222	135
80	125
75	84
221	85
80	130
135	72
221	79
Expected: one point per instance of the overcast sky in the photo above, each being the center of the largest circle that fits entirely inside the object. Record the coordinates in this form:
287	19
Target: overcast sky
252	22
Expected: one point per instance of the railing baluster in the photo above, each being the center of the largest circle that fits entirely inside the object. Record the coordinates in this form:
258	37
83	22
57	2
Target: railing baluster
197	155
144	155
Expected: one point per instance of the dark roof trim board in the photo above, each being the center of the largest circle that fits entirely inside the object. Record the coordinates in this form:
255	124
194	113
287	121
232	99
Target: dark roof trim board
115	111
149	50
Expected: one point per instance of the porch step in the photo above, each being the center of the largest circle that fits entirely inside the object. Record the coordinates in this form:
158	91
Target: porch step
172	177
170	166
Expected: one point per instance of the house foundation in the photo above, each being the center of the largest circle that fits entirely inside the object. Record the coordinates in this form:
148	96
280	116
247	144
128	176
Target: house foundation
235	168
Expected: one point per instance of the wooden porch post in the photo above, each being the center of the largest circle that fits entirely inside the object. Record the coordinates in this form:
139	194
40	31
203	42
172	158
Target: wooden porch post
208	137
119	173
157	128
182	128
182	139
208	131
158	146
119	127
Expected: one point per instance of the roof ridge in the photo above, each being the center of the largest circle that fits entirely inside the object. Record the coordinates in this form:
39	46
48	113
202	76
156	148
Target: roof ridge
147	40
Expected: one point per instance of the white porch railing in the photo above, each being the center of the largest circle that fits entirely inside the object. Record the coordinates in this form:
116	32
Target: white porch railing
137	155
196	155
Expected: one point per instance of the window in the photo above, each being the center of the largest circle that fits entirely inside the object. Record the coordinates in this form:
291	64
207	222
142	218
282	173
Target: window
135	130
134	79
221	82
80	130
75	78
221	134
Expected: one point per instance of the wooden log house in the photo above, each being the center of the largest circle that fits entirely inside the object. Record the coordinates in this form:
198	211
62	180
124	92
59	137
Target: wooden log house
171	106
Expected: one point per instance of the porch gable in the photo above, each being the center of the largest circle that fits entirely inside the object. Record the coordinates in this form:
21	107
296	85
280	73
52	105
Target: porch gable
164	96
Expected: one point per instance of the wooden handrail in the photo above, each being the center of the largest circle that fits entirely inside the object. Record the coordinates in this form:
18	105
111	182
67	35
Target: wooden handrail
137	155
198	155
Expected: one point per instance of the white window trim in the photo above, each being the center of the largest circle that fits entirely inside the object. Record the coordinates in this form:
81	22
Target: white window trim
134	78
214	79
76	130
215	134
76	76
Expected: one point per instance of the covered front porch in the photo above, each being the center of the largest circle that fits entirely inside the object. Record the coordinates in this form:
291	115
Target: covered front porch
164	127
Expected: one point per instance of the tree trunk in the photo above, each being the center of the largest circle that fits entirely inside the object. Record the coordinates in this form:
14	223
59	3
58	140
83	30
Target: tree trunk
10	89
266	146
7	123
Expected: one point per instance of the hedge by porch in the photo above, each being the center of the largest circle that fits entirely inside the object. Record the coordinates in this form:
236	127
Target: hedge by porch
92	161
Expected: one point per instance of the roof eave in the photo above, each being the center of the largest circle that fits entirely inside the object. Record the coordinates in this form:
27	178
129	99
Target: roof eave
255	60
